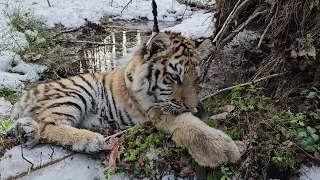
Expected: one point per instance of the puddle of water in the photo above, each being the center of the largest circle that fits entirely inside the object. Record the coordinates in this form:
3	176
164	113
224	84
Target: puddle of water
109	57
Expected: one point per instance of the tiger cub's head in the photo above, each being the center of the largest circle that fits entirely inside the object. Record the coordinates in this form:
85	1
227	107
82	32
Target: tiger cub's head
165	72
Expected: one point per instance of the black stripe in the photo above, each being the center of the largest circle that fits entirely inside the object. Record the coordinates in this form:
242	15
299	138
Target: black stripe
46	88
123	122
112	97
166	94
61	84
69	93
67	103
129	117
86	81
69	116
86	91
35	91
34	108
50	96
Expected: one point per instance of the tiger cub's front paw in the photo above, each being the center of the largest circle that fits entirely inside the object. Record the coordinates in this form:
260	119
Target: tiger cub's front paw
208	146
90	143
27	130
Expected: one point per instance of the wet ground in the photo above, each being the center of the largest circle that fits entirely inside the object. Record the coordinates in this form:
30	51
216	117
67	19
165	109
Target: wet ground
121	38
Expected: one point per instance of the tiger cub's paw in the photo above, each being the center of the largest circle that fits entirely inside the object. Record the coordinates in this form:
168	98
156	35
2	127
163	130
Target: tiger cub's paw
27	129
90	143
208	146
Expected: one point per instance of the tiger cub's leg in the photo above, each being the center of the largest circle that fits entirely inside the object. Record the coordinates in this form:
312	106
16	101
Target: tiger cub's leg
208	146
27	129
80	140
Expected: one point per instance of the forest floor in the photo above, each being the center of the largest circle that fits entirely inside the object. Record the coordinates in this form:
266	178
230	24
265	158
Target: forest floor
56	42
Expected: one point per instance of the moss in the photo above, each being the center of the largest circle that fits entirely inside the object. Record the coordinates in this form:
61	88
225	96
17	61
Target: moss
235	133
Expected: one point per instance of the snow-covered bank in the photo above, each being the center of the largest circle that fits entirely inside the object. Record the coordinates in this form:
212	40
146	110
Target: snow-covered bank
13	70
198	25
72	13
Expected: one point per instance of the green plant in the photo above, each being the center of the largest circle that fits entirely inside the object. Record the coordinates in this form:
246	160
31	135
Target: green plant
235	133
105	19
4	124
307	134
37	35
248	98
5	92
225	173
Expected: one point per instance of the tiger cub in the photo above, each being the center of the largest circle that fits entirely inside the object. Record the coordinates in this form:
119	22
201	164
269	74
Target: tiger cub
207	146
71	112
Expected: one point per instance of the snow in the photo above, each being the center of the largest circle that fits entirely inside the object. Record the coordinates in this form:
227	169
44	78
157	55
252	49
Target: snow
13	70
5	106
198	25
67	164
72	13
309	173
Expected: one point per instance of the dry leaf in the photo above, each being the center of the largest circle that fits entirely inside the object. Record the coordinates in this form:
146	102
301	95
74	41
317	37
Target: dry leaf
141	158
221	116
114	154
227	108
302	53
312	52
186	171
294	53
32	56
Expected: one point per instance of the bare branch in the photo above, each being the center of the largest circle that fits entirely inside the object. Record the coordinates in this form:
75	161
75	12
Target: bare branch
126	6
48	3
245	84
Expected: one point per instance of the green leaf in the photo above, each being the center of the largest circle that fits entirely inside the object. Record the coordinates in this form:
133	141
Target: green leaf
312	95
302	134
315	137
301	123
305	143
311	130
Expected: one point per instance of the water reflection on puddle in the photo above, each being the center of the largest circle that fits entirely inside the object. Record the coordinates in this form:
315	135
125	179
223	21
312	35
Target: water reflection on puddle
109	57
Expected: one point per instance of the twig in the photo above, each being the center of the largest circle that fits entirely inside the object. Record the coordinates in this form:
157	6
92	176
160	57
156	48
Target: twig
21	148
126	6
69	30
51	155
241	27
245	84
229	18
265	31
117	134
38	167
155	14
86	42
155	29
48	3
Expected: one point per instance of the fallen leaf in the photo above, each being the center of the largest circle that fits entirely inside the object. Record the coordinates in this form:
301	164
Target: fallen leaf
141	158
186	171
221	116
32	56
294	53
302	53
312	52
114	154
227	108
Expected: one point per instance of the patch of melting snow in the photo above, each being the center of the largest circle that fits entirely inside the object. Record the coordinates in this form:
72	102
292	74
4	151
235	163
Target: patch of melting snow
13	70
309	173
12	163
198	25
5	106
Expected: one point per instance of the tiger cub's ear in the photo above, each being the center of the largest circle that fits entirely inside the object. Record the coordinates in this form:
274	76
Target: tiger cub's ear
203	49
158	43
